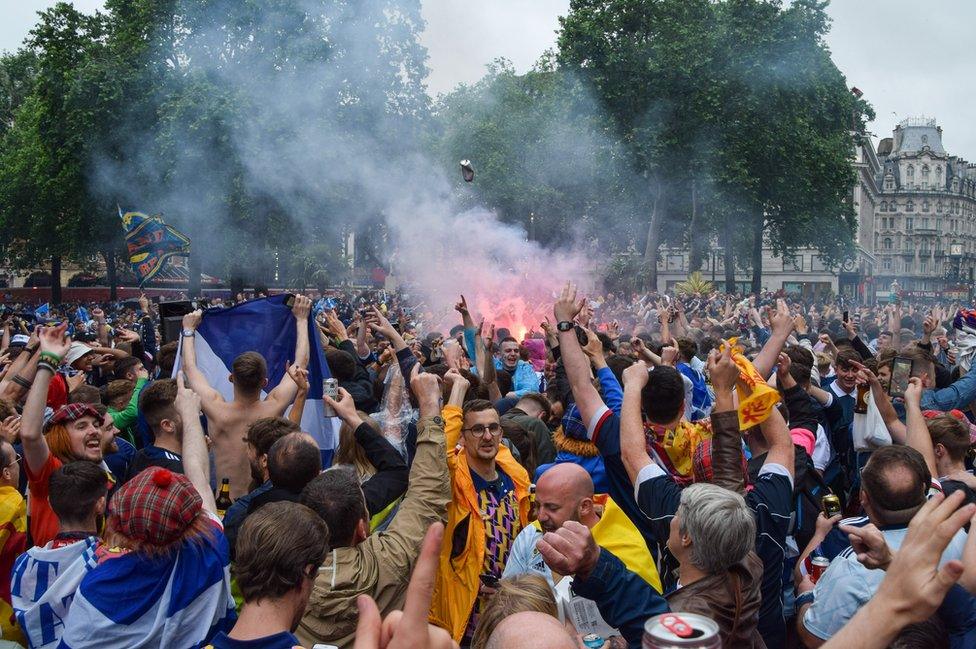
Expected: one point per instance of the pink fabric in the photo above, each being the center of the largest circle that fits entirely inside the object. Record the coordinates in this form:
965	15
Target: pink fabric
804	438
537	353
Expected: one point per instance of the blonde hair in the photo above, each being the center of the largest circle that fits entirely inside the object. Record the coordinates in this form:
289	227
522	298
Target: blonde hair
351	453
515	595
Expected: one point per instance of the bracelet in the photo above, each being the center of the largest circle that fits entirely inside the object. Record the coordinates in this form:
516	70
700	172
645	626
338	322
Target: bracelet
803	600
22	382
44	365
51	356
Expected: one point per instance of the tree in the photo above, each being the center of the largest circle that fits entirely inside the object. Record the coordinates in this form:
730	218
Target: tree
789	124
649	64
43	193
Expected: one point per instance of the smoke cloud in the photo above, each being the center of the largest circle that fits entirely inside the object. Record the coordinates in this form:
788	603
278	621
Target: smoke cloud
320	124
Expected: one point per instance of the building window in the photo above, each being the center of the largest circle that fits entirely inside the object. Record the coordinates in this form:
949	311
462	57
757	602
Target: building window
909	223
889	182
884	206
909	206
887	244
938	207
925	206
923	266
886	263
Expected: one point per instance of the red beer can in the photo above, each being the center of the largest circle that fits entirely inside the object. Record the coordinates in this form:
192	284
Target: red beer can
817	567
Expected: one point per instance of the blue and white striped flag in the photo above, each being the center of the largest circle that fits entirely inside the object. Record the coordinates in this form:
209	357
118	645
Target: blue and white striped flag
179	600
266	326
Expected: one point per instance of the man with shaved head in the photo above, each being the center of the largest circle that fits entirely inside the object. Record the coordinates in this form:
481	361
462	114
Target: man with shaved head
565	493
546	633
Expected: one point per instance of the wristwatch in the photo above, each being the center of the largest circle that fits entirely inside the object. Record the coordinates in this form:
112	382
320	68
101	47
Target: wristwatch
565	325
189	333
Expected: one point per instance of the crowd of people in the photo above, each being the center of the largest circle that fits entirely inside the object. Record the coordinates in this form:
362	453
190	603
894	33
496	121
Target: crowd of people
773	471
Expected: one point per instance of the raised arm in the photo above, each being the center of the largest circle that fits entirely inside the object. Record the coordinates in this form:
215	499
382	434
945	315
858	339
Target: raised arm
575	361
917	432
633	446
54	344
194	377
726	436
286	390
887	411
299	375
196	463
781	325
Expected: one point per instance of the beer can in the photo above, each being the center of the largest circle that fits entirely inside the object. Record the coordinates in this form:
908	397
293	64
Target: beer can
593	641
681	631
830	505
817	567
330	388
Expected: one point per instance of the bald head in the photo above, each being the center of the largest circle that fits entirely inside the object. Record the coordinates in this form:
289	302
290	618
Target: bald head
513	633
567	477
565	493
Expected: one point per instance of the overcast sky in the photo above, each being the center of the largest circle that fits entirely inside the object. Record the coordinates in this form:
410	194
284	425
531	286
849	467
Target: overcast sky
910	58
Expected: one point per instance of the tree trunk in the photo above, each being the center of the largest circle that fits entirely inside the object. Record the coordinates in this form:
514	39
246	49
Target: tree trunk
695	247
55	280
653	242
729	258
757	250
193	266
111	274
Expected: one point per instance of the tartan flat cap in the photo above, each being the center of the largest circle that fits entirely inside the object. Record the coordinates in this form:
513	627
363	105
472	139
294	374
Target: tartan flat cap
74	411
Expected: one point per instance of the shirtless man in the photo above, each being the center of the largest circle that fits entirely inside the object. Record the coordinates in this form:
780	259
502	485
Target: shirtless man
228	421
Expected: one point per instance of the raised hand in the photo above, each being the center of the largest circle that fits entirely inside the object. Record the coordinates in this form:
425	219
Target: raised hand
54	340
192	320
462	306
344	406
187	401
566	307
780	320
302	307
913	393
407	629
722	370
299	375
636	375
378	323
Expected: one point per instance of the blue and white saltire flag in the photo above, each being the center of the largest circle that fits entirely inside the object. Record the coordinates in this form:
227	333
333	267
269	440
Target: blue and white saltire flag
42	311
81	313
179	600
266	326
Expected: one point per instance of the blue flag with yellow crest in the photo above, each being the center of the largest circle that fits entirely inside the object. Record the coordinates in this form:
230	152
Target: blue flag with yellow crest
151	243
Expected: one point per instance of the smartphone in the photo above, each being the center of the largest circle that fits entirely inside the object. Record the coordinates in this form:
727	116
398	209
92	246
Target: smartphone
846	316
491	581
901	371
290	300
581	335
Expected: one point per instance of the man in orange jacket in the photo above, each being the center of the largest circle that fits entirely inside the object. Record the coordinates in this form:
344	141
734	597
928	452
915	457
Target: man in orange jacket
489	507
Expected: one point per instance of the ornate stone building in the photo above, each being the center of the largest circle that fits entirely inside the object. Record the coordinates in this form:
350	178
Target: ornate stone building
924	230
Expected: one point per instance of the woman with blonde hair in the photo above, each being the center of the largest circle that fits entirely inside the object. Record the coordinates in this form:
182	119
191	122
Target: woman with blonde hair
514	595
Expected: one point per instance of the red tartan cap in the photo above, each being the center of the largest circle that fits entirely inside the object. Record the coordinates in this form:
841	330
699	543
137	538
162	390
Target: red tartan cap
156	506
74	411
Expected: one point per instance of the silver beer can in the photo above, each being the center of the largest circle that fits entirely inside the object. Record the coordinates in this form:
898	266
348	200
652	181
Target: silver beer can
681	631
330	388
